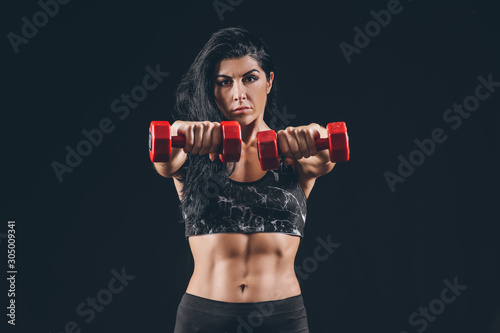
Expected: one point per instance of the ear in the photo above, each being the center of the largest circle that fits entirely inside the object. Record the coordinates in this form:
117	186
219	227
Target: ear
270	82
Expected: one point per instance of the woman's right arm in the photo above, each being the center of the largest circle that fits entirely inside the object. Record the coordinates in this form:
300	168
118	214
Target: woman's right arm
202	137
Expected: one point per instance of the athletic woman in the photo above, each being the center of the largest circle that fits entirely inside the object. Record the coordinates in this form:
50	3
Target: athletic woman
243	224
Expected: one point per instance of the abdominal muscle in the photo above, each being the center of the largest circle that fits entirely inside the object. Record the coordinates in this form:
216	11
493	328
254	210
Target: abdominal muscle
236	267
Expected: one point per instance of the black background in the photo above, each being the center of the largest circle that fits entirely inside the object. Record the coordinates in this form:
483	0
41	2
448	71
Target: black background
114	211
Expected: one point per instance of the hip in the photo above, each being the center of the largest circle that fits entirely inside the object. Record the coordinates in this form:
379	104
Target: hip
199	314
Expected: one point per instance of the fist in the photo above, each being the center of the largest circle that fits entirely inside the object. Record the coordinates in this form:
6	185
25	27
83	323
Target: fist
298	142
202	137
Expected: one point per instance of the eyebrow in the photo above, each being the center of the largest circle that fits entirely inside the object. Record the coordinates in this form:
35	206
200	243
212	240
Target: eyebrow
250	71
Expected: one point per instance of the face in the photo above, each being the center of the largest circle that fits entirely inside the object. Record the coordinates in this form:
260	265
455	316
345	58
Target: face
241	83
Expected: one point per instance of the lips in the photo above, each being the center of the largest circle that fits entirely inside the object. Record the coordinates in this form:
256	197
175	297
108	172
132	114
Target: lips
241	109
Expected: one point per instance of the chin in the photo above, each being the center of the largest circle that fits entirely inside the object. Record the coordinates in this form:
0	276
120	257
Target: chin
246	120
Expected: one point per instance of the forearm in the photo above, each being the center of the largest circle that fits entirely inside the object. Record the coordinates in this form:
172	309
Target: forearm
169	169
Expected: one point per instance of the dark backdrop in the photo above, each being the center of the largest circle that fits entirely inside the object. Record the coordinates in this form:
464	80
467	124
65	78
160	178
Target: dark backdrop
397	247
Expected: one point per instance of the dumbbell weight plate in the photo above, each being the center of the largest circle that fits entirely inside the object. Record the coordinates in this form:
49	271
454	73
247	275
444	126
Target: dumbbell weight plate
338	142
267	149
231	141
159	141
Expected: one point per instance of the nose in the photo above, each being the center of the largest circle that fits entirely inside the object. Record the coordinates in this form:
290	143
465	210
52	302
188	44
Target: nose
239	91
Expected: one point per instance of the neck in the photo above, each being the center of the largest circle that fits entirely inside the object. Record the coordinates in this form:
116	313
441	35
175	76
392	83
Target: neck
249	132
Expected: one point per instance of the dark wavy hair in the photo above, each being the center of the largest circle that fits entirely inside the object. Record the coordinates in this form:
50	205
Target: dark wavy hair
195	101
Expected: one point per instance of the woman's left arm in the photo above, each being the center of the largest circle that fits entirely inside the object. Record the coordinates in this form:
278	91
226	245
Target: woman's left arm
298	146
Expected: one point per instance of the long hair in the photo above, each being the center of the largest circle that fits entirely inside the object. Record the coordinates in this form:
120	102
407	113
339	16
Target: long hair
195	101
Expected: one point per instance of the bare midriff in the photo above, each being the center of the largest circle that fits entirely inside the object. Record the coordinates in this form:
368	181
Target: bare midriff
237	267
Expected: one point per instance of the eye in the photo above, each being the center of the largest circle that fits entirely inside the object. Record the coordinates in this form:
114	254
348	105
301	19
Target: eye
223	83
252	78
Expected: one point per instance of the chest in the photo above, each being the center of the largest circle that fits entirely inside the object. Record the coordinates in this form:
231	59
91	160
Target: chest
248	168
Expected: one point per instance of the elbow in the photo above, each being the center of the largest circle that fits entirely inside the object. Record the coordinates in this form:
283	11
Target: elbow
163	170
327	168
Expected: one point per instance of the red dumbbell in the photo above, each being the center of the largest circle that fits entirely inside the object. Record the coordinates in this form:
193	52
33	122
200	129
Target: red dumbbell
161	141
337	142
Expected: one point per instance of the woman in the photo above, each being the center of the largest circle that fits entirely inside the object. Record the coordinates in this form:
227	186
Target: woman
243	225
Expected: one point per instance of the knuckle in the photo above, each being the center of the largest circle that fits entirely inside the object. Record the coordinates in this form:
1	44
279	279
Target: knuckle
212	148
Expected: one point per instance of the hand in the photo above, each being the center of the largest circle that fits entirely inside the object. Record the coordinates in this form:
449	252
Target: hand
202	137
298	142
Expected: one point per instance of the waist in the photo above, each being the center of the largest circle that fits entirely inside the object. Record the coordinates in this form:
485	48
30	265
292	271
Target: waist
262	278
214	307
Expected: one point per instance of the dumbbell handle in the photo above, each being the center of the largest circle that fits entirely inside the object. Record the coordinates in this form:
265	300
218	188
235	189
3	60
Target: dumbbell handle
178	141
321	143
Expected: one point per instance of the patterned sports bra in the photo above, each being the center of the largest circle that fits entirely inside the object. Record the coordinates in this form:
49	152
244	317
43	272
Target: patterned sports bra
274	203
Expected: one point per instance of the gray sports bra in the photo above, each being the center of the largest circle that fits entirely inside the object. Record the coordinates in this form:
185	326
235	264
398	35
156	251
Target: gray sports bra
274	203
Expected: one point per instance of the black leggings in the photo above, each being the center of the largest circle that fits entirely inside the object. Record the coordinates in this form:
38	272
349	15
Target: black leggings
198	314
